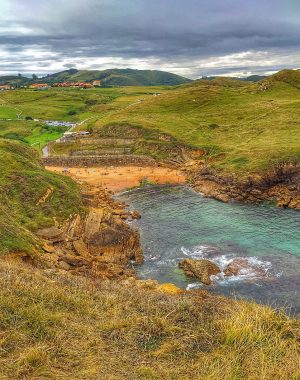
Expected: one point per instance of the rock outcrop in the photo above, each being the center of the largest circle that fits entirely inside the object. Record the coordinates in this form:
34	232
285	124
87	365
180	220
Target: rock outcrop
100	244
280	185
200	269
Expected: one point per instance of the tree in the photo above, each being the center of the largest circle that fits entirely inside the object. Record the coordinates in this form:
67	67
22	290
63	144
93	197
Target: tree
34	76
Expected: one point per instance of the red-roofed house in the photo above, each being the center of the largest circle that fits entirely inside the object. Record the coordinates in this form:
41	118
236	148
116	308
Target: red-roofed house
39	86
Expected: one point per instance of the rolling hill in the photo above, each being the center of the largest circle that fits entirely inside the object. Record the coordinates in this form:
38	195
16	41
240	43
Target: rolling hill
14	80
120	77
111	77
245	126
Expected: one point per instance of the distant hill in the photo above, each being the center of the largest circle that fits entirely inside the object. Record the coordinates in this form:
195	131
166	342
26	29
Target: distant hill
15	80
254	78
221	81
251	78
131	77
119	77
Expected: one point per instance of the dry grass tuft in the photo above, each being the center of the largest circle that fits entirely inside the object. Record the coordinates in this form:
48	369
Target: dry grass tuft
58	327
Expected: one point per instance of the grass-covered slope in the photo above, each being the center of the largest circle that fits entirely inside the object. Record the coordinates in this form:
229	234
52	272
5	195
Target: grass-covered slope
58	327
244	126
14	80
119	77
23	184
110	77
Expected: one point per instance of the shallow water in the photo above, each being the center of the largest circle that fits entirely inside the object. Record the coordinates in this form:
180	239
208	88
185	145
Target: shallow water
178	223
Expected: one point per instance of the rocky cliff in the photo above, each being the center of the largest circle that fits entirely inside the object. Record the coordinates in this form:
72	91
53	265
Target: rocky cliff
280	185
101	244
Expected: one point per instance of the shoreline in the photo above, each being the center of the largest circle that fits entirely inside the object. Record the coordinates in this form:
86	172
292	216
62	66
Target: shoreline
122	178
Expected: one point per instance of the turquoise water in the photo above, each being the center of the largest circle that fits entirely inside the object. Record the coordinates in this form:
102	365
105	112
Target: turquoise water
178	223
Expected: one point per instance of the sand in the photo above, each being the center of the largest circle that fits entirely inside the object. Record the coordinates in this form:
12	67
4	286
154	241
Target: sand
122	178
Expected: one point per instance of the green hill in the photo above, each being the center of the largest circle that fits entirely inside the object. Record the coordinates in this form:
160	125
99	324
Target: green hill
291	77
119	77
244	126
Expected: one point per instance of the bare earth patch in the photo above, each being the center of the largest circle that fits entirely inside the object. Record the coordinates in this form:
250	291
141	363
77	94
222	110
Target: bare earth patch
122	178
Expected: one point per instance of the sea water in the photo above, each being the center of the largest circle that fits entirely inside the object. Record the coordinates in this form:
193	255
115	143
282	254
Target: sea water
179	223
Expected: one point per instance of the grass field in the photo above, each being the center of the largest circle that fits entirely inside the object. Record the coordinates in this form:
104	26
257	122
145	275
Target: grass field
7	112
73	105
55	326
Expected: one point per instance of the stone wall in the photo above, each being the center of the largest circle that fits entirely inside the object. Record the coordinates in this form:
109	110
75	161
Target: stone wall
101	152
98	161
105	141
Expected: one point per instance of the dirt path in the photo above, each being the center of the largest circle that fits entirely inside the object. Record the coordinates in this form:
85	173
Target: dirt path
121	178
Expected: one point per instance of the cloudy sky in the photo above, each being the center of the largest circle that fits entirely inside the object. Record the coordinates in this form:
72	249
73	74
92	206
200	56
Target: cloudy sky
187	37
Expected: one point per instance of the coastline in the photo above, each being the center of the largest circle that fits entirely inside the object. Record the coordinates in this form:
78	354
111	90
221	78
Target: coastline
281	189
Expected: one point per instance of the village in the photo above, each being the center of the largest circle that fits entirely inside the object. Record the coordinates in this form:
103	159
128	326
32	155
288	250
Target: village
46	86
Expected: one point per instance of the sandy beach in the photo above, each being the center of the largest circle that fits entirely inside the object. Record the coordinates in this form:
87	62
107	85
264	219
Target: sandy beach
121	178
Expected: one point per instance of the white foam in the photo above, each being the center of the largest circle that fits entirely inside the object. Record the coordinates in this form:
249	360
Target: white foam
255	268
198	252
194	285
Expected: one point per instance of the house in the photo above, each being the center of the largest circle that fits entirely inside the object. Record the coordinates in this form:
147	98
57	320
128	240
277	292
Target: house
39	86
85	85
5	87
96	83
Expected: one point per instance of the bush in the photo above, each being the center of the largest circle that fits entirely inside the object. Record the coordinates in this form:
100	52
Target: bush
213	126
72	112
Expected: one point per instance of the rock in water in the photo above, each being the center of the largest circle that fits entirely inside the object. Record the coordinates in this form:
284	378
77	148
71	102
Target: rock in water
242	266
201	269
135	214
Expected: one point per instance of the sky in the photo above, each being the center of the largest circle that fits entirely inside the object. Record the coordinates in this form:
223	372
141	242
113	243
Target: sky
192	38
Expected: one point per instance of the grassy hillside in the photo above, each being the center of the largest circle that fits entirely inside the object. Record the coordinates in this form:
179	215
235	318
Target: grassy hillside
245	127
120	77
111	77
58	327
73	105
23	182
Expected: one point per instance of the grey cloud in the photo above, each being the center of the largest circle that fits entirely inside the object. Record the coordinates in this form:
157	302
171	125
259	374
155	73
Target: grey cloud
165	30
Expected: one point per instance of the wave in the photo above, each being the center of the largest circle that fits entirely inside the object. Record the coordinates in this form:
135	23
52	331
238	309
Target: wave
245	268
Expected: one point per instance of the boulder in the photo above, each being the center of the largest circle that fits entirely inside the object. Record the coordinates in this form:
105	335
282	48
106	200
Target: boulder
48	248
63	265
135	214
53	234
116	245
240	266
81	248
200	269
75	261
120	212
